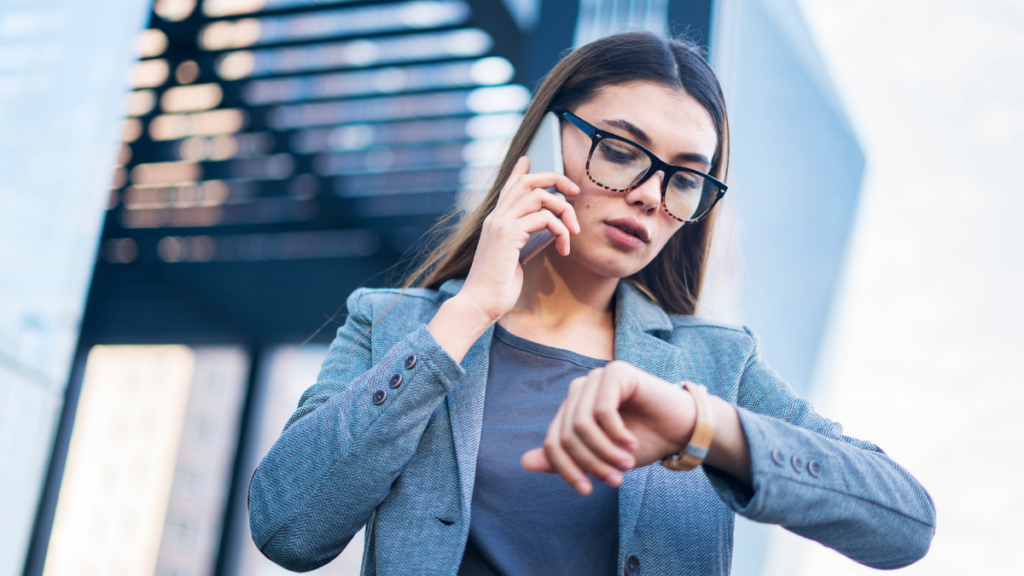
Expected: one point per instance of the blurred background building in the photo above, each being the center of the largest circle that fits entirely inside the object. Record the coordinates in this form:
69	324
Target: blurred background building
189	189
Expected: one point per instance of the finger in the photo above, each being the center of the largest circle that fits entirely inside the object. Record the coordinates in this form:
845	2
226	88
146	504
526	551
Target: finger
577	417
561	463
609	397
560	182
520	168
535	459
594	436
538	199
520	184
568	407
545	219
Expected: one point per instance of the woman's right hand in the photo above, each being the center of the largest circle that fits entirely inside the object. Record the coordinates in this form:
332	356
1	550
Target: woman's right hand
496	277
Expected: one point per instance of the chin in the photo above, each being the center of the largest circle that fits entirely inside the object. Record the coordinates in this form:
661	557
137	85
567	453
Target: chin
609	262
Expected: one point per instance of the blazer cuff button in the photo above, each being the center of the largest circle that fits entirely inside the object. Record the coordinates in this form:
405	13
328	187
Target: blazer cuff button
632	567
379	397
814	468
798	464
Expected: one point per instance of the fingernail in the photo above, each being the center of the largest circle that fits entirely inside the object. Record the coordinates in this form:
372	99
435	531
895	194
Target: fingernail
583	487
626	464
613	479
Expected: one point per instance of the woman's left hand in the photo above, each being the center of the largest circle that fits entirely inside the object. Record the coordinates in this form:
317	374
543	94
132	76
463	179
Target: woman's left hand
615	418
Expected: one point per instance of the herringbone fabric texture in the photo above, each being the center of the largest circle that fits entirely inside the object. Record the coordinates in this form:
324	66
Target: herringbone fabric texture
402	459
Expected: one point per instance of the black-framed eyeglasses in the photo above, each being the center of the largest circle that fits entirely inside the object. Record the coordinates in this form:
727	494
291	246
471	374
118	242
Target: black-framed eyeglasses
620	165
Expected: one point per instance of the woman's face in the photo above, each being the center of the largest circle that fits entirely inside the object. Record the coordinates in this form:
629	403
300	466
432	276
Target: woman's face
621	232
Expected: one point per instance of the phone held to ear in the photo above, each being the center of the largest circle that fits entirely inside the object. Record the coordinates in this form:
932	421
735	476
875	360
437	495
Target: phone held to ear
545	154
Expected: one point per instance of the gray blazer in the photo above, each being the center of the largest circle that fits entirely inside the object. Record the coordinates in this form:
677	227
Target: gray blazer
388	438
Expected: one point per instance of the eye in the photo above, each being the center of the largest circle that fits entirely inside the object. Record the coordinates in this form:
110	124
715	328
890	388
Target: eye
618	152
684	181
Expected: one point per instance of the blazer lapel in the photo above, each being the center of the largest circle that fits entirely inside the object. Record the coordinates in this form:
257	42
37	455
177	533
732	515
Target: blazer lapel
466	408
639	323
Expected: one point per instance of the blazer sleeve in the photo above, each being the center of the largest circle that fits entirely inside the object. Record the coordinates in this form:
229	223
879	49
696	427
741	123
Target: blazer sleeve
352	434
814	481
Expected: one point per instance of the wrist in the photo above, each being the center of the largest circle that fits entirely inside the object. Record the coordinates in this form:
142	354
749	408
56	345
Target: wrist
469	315
730	451
457	325
697	446
686	419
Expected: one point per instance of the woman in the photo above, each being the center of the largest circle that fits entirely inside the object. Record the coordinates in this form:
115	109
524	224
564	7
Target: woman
398	434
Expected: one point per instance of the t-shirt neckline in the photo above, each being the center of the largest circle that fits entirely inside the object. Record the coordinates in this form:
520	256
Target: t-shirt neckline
538	349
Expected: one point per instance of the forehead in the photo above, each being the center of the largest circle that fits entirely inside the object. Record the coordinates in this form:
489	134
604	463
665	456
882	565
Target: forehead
675	122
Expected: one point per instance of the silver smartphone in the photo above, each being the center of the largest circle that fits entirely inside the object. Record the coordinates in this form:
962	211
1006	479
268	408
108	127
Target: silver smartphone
545	154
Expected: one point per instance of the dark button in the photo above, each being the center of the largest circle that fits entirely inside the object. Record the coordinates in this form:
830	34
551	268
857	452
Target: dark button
379	397
410	362
798	464
632	566
396	381
813	468
778	457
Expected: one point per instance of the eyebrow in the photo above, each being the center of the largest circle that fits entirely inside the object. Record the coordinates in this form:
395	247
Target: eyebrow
642	138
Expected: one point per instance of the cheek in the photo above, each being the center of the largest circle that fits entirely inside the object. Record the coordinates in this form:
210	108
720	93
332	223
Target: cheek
668	230
582	204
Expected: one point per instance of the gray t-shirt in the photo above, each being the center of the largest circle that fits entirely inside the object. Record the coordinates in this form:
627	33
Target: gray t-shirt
528	523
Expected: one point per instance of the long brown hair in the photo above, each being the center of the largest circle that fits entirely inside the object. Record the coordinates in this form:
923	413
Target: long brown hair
673	279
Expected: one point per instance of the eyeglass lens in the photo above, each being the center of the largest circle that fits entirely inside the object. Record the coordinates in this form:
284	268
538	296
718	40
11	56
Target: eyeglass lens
620	165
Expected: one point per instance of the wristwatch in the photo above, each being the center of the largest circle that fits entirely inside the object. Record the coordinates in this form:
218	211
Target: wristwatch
703	431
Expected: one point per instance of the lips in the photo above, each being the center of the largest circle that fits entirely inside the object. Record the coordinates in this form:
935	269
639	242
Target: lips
631	227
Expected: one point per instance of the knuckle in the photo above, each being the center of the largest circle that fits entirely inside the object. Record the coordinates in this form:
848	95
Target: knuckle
604	412
617	366
523	182
582	429
550	444
568	443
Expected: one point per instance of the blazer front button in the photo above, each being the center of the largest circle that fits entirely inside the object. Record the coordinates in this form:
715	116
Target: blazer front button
778	457
798	464
632	567
379	397
396	381
410	362
814	468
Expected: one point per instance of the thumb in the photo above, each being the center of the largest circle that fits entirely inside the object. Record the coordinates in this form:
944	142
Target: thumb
536	460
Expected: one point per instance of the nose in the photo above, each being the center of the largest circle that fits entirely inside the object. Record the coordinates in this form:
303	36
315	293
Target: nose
647	195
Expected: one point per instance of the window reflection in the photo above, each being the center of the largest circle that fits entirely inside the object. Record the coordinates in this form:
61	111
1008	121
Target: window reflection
149	465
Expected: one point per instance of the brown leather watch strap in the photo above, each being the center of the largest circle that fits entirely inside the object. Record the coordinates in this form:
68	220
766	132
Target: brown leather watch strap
703	431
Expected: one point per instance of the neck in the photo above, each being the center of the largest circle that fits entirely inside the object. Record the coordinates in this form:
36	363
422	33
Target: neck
557	294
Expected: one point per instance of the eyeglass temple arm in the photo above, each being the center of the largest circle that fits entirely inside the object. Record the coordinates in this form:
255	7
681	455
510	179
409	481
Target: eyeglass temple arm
579	123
